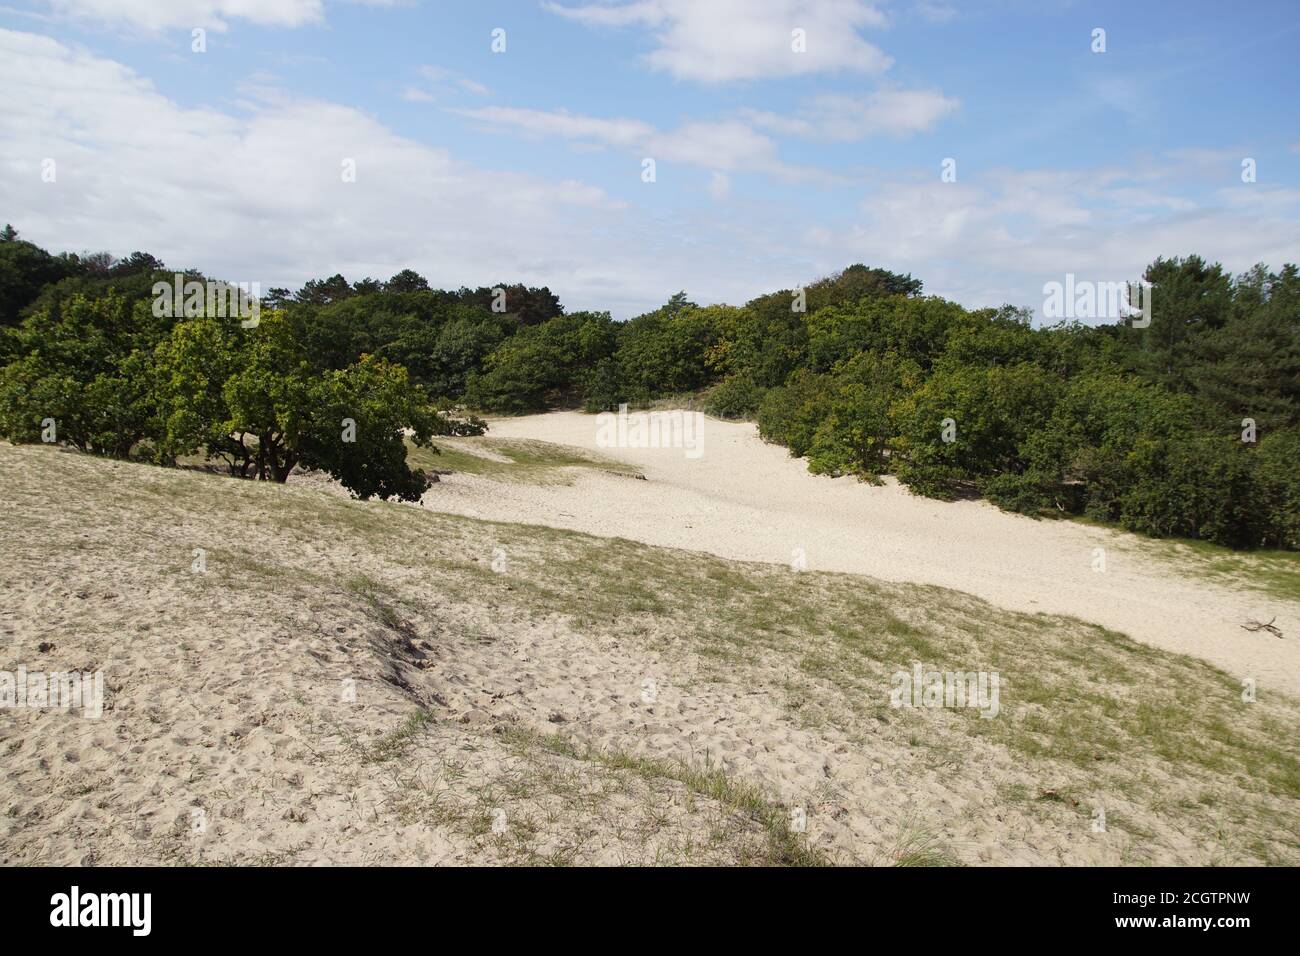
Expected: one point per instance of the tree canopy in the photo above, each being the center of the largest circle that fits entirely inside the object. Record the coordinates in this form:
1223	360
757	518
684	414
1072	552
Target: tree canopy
1188	426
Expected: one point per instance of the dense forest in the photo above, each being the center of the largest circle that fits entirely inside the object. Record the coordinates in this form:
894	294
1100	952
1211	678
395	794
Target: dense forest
1189	426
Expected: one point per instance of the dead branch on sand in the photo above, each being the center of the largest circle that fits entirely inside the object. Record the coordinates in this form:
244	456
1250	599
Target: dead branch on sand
1253	625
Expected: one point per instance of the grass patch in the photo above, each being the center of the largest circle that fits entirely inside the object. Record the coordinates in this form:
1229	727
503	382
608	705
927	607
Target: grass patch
390	746
784	847
1275	573
524	459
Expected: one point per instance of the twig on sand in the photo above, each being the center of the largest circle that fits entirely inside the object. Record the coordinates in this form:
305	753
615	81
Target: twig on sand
1253	625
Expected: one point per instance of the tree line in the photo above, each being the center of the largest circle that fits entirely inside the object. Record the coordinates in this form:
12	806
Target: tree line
1187	426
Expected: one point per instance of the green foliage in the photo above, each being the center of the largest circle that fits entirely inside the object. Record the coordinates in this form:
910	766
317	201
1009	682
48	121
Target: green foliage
84	363
736	396
268	396
25	269
1250	366
1235	344
1123	450
252	398
1277	490
541	364
765	341
602	386
990	412
912	328
193	366
461	347
1079	460
1197	486
379	398
789	415
667	351
842	421
525	304
858	282
856	371
435	336
856	430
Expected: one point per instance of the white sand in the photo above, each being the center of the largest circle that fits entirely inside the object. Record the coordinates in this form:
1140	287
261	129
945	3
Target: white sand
745	499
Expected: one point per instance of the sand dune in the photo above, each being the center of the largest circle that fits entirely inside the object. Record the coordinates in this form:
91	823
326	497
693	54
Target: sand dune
365	682
744	499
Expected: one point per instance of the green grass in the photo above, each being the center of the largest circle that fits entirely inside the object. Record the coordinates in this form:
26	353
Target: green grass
784	846
527	460
1275	573
392	745
553	785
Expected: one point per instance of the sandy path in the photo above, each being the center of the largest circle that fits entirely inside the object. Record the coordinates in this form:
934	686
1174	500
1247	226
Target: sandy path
747	500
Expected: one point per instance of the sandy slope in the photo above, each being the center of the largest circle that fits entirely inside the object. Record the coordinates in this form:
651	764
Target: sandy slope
608	701
225	735
745	499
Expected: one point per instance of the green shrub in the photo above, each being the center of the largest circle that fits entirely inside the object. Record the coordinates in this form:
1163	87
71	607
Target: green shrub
1277	489
789	415
736	396
989	413
856	430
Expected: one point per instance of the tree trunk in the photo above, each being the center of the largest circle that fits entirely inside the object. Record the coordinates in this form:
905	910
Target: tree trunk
283	470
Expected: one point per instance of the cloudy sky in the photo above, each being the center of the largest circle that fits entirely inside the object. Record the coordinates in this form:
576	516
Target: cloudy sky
789	138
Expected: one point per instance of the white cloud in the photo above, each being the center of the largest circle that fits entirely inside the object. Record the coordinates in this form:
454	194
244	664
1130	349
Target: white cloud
723	146
720	186
437	82
612	132
842	117
262	192
727	146
256	195
1001	236
213	14
1263	198
745	39
443	76
156	15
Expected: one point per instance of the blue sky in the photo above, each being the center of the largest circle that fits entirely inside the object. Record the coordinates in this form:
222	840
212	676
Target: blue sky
773	165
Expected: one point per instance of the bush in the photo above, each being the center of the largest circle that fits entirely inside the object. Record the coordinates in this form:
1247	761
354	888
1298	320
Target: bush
25	269
736	396
542	364
1127	424
993	411
1277	490
856	430
87	364
1198	486
789	415
251	397
668	351
602	386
